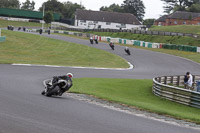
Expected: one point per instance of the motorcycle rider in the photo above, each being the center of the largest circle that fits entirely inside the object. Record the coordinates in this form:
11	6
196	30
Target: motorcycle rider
96	39
65	85
91	40
111	43
127	50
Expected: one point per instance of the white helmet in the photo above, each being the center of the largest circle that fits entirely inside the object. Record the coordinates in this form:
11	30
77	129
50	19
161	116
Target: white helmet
70	75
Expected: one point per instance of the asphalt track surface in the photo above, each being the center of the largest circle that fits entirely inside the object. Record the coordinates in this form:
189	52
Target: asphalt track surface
24	110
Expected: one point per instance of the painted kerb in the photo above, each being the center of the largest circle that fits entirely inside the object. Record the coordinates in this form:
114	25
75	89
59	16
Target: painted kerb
163	87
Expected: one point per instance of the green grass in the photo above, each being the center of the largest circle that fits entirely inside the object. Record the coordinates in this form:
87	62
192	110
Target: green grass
153	38
188	55
134	92
5	23
34	49
195	29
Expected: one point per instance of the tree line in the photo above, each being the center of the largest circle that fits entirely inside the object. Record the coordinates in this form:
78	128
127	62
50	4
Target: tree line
181	5
136	7
65	9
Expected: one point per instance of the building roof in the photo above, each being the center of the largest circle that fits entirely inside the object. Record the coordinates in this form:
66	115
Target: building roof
162	19
183	15
123	18
179	15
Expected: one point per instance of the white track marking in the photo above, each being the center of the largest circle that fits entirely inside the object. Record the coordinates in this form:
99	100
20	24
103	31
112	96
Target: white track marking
79	67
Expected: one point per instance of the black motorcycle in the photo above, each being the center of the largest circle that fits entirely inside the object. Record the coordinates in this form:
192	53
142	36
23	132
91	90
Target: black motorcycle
127	51
40	31
96	41
91	41
50	90
19	28
112	46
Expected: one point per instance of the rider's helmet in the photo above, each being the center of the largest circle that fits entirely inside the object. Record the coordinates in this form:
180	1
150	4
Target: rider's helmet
70	75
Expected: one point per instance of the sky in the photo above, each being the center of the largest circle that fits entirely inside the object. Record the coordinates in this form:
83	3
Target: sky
154	8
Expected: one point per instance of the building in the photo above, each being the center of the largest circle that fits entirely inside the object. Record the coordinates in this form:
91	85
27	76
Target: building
87	19
179	18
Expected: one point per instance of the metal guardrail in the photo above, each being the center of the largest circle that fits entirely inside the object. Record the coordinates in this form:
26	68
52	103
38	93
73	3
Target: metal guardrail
163	87
144	32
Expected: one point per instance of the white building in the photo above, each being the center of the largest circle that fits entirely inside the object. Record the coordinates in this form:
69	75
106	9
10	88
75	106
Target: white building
87	19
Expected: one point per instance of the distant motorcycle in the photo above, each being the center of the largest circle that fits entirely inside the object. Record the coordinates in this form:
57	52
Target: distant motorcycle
91	40
127	51
40	31
96	41
112	45
19	28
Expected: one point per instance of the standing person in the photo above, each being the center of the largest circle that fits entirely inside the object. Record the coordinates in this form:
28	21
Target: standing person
189	80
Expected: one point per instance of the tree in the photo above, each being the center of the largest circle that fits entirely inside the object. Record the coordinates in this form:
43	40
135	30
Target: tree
10	4
112	8
53	6
135	7
48	18
178	5
194	8
70	9
28	5
148	22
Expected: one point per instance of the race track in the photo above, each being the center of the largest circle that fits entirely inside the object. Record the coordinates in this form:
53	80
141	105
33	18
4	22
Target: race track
24	110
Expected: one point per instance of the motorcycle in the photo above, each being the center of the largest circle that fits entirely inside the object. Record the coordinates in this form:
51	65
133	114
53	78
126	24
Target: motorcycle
96	41
50	90
91	41
112	46
19	28
127	51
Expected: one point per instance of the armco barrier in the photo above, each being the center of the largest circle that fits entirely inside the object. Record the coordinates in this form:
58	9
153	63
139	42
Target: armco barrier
164	87
2	38
132	42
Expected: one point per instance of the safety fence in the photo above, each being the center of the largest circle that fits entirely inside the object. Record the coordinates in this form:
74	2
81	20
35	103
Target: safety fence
168	87
129	42
134	31
2	38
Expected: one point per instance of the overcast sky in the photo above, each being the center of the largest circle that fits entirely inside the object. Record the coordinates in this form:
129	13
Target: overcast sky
154	8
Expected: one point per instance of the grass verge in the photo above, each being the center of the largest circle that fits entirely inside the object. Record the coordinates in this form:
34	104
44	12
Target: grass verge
195	29
134	92
34	49
5	23
188	55
153	38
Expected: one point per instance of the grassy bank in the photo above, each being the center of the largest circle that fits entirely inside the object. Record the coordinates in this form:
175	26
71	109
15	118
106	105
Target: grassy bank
188	55
153	38
34	49
136	93
5	23
195	29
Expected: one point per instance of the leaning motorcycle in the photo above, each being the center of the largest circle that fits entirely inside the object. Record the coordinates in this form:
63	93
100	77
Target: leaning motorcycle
127	51
52	87
96	41
112	46
91	41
